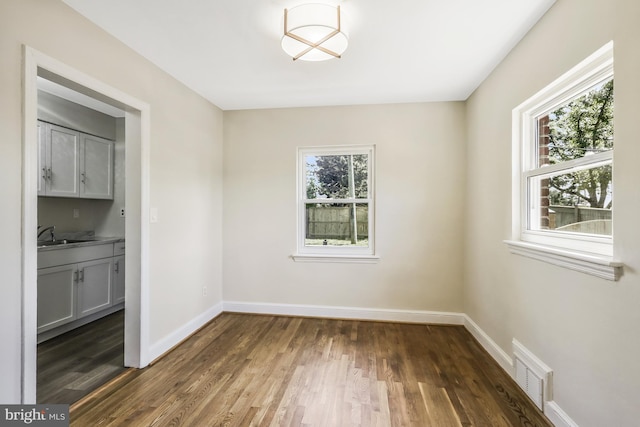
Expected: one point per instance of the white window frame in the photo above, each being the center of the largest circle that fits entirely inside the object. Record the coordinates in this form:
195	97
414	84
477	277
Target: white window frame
586	253
335	253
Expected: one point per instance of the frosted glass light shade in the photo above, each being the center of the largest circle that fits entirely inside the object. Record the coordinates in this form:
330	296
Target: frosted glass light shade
314	32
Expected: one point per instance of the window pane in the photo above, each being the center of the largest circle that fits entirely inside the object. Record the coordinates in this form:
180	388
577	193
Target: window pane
578	128
577	202
337	176
337	224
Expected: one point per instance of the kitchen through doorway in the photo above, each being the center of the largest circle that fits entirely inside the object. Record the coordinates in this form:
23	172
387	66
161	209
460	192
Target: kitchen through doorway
81	243
136	125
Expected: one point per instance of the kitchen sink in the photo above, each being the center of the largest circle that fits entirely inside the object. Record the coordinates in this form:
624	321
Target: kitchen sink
54	243
62	242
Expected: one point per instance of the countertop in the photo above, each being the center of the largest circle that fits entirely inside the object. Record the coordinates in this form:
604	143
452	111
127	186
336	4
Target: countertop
93	241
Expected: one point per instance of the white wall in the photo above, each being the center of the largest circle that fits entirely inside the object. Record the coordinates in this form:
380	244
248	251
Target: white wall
58	211
186	171
584	328
419	180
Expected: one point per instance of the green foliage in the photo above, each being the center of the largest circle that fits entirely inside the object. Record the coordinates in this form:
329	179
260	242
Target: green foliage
581	128
329	177
312	184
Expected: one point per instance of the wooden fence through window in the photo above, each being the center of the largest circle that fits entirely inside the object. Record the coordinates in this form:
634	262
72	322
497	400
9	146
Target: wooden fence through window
334	222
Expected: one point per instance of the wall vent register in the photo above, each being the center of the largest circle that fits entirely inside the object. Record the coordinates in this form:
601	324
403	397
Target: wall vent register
532	375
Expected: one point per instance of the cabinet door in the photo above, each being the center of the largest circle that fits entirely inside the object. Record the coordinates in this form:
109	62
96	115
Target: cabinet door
42	158
63	162
56	304
118	279
96	168
94	286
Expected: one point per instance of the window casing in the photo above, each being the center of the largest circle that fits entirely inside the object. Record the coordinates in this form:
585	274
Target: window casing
336	202
563	188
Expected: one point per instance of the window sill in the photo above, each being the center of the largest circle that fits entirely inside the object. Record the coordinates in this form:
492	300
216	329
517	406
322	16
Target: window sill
596	265
352	259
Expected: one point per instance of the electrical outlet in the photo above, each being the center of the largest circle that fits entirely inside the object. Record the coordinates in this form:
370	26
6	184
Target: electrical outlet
76	213
204	291
121	212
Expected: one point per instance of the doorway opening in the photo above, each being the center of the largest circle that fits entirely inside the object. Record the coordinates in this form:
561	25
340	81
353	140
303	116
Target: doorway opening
81	243
136	165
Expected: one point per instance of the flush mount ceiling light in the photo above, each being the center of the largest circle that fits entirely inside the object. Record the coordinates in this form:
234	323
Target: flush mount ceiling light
314	32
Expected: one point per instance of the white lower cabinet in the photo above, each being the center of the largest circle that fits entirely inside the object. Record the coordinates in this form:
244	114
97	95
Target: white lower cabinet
118	279
78	282
118	268
94	286
56	296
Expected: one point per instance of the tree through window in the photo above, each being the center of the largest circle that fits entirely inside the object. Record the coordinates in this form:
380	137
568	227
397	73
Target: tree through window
578	134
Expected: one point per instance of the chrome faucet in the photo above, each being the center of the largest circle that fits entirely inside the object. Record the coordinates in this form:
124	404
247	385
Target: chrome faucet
51	228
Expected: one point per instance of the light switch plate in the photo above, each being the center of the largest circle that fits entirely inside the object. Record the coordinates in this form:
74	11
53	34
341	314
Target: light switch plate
153	215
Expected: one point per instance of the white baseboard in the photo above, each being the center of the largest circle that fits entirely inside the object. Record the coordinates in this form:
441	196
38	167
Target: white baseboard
387	315
167	343
498	354
557	416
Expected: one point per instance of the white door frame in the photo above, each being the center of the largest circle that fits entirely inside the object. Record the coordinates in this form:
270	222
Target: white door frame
137	134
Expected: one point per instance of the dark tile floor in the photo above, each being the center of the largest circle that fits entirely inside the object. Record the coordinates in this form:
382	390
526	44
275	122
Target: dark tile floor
72	365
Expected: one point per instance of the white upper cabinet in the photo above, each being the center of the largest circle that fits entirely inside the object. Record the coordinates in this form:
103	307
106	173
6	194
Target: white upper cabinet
42	158
96	167
74	164
60	153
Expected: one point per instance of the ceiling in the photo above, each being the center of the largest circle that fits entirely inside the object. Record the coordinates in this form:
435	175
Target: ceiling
69	94
399	51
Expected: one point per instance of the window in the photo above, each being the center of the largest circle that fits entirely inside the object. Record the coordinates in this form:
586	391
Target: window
567	174
336	202
563	145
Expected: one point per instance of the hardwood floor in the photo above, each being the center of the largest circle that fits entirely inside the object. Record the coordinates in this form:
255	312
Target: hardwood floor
73	364
252	370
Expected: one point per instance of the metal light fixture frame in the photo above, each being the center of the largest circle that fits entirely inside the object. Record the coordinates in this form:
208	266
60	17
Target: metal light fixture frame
314	45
